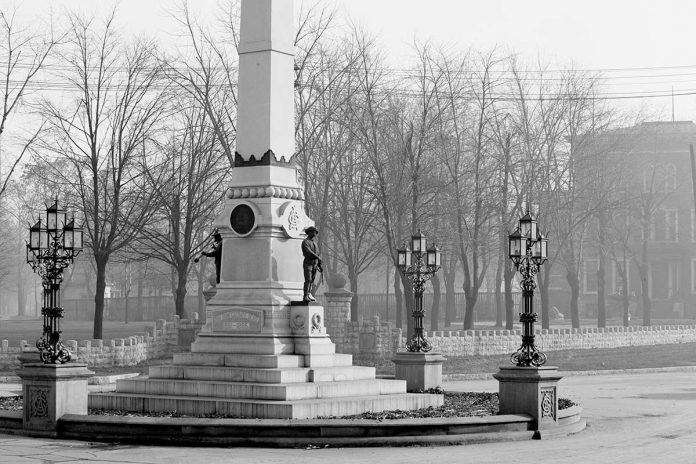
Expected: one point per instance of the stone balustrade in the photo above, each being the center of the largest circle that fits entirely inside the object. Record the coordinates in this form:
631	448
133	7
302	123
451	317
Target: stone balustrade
492	342
372	339
161	340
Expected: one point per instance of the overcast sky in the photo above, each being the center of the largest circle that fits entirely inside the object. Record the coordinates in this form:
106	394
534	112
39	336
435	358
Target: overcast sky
611	35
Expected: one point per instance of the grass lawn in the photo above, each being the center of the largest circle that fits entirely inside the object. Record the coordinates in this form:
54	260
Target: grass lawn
630	357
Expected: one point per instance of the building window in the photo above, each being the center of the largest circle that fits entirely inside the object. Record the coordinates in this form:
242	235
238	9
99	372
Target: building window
660	178
589	276
663	225
664	280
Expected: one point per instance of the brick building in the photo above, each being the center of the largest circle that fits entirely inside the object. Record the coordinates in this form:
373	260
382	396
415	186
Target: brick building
656	179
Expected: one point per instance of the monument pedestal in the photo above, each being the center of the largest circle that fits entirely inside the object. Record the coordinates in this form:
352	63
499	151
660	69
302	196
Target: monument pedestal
421	371
292	376
51	391
530	390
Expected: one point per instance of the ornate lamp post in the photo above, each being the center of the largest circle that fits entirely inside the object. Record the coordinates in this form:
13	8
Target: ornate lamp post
528	250
419	264
53	245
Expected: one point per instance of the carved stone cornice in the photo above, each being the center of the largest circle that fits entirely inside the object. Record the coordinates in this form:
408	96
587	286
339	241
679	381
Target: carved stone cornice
268	159
266	191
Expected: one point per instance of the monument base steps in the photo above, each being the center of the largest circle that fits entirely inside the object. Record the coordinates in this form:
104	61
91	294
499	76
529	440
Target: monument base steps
295	376
263	409
262	391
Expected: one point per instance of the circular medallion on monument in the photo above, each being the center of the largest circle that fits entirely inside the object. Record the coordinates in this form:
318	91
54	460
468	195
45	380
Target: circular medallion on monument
242	219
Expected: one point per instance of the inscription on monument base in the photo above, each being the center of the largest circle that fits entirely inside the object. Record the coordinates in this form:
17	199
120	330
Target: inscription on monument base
237	319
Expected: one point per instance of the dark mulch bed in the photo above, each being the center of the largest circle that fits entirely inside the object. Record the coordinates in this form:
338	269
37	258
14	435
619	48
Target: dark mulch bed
469	404
456	405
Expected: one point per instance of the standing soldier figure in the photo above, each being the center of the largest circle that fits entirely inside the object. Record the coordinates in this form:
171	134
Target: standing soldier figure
311	263
216	253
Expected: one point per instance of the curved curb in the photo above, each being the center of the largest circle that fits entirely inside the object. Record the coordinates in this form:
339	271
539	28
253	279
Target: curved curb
312	433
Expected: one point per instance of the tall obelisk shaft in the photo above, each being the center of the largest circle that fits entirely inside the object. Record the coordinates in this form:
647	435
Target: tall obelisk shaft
263	222
266	111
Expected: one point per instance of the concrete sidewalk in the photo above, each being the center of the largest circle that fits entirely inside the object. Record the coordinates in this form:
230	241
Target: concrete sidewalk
632	418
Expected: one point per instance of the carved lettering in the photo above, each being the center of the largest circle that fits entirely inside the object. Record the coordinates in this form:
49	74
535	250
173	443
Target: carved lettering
238	320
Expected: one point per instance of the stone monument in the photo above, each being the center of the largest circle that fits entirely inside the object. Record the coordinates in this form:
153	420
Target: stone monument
263	352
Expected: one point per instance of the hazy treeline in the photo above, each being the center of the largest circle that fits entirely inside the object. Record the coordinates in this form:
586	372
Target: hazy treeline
138	139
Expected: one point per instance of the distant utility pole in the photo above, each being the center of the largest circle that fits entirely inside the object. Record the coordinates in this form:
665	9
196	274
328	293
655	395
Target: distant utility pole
672	104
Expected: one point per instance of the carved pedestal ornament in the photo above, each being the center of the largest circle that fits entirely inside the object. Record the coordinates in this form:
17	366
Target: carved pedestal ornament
548	403
38	403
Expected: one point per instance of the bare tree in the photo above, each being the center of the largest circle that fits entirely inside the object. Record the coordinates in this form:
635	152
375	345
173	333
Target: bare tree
103	132
23	54
325	66
191	164
354	218
208	73
372	108
469	165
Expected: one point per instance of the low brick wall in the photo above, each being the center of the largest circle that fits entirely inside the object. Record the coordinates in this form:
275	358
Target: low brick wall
490	342
161	340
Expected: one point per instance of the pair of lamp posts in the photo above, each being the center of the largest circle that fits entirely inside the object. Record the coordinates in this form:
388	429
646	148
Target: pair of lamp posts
53	245
528	249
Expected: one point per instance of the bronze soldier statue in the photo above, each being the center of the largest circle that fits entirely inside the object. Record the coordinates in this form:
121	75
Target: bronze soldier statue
215	252
311	263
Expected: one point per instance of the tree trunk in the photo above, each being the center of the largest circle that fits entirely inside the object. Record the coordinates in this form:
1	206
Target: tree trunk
450	296
644	287
353	278
509	300
601	294
470	298
499	301
386	291
398	296
544	296
200	282
180	295
574	283
97	333
601	275
643	269
645	294
21	294
435	312
140	292
625	296
409	303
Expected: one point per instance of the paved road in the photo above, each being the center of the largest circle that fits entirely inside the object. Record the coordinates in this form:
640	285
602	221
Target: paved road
632	418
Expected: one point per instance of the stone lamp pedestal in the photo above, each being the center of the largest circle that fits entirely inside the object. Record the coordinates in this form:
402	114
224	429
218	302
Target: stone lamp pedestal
532	391
421	371
51	391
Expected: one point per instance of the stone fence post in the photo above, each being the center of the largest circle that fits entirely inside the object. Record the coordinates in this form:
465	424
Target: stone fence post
337	317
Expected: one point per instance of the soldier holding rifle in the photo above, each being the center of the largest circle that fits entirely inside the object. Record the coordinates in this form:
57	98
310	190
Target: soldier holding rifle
215	252
311	263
